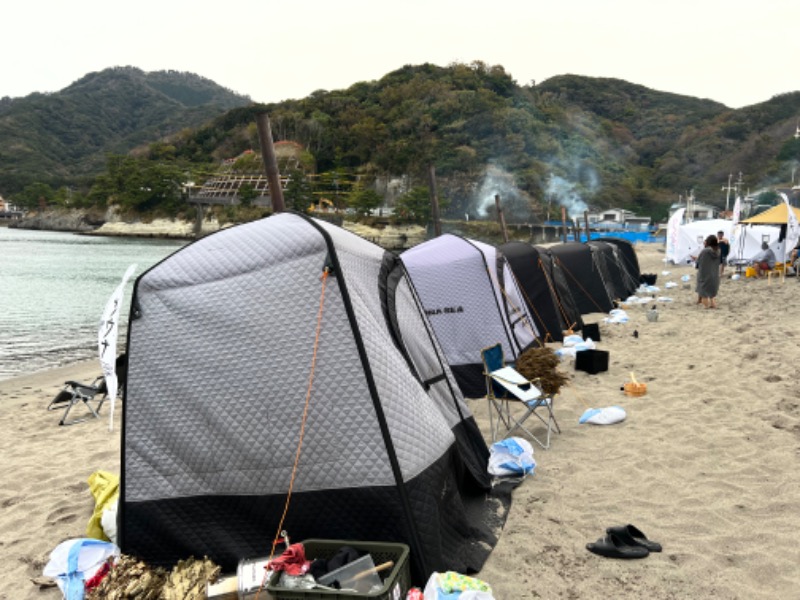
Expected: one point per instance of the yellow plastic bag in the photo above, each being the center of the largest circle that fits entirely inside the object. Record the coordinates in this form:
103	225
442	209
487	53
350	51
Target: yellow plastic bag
104	486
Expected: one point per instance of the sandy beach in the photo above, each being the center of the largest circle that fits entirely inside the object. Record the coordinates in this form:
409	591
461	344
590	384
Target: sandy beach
706	462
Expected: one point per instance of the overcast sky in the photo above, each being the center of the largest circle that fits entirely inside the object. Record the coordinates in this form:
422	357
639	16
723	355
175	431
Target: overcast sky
737	53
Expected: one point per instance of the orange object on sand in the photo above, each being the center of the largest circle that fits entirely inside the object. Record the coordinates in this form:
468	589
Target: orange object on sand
634	388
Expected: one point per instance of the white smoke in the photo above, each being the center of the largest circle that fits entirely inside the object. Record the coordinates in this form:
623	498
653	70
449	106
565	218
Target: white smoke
496	182
566	194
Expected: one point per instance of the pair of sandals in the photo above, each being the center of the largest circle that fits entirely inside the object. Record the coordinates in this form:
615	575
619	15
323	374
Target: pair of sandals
624	541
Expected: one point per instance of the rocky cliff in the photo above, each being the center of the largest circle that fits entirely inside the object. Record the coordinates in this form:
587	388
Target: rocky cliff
393	237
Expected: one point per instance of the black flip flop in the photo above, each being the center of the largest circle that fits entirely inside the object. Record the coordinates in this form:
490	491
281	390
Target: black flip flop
631	536
612	546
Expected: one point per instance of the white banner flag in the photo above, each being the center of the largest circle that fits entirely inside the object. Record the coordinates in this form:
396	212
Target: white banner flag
107	341
673	228
792	229
737	211
734	241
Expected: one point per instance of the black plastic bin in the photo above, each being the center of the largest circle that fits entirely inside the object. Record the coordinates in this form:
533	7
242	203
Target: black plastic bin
591	361
591	330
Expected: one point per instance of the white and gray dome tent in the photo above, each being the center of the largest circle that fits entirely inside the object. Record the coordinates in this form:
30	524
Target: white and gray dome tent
472	300
226	368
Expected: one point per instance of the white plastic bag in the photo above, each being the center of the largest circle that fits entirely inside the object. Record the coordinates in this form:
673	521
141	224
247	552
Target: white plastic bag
603	416
108	521
76	560
434	592
511	457
571	340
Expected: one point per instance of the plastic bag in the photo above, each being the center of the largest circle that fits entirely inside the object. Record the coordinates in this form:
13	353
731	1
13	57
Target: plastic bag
76	560
454	586
511	457
603	416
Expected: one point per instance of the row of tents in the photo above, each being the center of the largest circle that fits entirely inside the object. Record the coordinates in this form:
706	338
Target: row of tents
286	374
476	295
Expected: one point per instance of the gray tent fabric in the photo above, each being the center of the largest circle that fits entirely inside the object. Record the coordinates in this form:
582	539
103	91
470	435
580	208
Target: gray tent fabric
473	301
221	344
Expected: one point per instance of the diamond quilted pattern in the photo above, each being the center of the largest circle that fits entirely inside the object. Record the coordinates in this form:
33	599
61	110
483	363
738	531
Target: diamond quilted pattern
220	365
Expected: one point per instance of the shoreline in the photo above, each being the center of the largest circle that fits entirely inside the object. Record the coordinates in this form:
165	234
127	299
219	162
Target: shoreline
706	462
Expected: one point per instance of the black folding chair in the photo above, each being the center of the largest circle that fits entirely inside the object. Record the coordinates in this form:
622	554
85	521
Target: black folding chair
91	395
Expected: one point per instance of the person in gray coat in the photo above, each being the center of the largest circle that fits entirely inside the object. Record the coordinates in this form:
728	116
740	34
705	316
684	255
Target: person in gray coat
708	272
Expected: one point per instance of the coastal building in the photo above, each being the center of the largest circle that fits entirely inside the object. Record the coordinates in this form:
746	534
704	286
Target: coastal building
618	219
8	210
695	211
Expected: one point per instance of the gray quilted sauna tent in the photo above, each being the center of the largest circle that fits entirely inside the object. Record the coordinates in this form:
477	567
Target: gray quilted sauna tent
473	301
223	353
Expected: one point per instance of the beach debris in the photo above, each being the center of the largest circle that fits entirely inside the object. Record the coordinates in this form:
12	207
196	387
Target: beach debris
44	582
131	578
617	315
541	363
189	579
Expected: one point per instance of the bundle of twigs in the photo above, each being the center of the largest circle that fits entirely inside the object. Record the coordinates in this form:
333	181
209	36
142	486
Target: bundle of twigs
541	363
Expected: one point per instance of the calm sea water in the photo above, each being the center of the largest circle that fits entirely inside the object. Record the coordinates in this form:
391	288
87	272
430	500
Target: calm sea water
53	288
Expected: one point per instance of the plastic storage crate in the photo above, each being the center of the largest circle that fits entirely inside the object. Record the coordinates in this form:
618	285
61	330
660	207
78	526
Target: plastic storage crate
591	361
395	584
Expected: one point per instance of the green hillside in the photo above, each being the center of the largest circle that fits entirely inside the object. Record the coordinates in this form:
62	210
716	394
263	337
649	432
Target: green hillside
63	138
580	141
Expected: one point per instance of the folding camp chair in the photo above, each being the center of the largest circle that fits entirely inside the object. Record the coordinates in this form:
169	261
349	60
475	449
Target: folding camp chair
513	398
92	395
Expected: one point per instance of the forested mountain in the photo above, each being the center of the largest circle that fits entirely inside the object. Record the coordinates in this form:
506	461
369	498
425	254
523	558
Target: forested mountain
63	138
570	140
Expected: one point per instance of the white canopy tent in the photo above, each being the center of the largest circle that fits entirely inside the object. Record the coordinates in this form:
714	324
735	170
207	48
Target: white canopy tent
745	240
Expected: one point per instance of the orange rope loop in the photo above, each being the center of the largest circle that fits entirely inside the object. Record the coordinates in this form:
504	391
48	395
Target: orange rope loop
279	534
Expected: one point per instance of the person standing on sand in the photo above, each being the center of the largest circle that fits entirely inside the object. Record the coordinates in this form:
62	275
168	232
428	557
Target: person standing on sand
708	267
724	250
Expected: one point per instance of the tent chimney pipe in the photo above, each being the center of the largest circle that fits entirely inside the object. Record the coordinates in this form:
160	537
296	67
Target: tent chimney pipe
564	224
501	217
437	223
270	162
